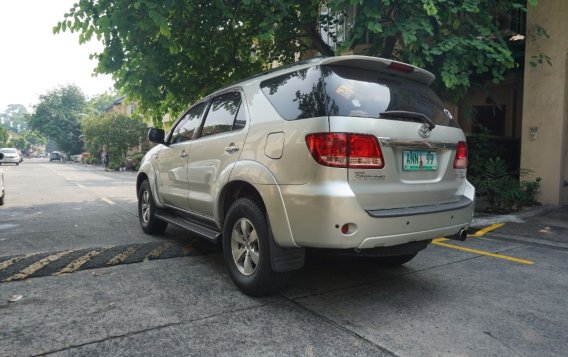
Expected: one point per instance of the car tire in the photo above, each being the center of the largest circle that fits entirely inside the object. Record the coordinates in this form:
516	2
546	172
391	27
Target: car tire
246	249
393	261
147	211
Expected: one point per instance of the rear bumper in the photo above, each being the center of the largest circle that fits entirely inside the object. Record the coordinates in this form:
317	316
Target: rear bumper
316	218
9	160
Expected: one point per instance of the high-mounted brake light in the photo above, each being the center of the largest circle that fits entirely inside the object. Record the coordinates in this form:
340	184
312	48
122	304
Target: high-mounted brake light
346	150
460	162
400	67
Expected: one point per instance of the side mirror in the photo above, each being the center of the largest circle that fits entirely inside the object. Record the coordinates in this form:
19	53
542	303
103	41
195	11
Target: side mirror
156	135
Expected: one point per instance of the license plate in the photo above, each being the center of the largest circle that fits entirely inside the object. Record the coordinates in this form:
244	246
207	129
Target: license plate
419	160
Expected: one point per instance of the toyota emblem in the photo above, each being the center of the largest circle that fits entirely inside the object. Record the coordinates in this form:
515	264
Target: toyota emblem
424	131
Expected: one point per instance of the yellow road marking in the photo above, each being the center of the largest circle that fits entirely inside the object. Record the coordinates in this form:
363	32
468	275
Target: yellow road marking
485	230
122	256
37	266
158	251
9	262
108	201
481	252
479	233
78	263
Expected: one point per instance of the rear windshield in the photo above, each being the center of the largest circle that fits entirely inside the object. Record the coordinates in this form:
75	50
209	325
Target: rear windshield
8	151
351	92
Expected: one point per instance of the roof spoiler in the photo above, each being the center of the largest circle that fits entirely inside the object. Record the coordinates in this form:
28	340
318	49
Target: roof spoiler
382	65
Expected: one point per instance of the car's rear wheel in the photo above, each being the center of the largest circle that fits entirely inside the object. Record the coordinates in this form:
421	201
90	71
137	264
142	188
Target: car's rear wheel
246	249
392	261
147	211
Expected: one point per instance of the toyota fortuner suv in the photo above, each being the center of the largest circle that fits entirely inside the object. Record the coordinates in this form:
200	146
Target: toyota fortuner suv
350	154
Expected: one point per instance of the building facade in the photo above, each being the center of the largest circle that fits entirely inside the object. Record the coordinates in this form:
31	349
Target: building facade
544	129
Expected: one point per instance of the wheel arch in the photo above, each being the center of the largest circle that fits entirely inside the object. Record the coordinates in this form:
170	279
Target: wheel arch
252	179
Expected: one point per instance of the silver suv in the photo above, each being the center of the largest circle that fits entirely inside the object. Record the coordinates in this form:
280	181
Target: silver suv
353	154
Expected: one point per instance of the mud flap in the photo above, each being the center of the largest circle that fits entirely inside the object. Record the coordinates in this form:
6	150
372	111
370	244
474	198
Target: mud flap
286	259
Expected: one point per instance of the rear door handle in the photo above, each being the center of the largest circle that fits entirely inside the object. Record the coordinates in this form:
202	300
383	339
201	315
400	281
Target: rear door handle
183	154
231	149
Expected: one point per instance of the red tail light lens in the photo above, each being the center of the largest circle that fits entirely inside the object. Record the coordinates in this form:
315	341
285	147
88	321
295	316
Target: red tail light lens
460	162
346	150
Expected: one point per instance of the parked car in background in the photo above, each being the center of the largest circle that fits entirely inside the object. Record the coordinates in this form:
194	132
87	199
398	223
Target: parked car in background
11	156
353	155
55	156
1	183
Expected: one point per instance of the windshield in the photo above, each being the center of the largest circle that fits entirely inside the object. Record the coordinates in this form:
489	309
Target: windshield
351	92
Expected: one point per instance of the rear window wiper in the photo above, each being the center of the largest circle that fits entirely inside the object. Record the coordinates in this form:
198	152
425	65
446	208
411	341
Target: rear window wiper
408	115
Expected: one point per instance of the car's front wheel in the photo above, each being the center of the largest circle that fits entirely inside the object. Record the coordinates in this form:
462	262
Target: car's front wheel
246	249
147	211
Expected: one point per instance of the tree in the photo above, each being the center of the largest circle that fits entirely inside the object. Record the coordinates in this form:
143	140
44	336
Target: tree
14	117
165	54
100	103
19	143
28	139
462	42
58	116
3	136
116	131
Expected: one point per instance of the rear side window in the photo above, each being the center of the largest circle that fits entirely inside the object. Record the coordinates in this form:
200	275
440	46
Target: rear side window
222	114
351	92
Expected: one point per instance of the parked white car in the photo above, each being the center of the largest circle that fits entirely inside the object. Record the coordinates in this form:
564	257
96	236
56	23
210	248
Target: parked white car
354	155
11	156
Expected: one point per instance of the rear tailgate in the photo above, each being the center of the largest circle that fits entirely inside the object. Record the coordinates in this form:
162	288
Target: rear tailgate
417	171
417	135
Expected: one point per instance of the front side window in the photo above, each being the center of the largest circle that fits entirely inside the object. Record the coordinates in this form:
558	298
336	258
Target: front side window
222	114
187	126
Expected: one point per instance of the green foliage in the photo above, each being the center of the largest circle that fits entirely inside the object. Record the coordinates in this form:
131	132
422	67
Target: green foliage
19	143
165	54
115	131
14	117
100	103
28	139
460	41
3	136
484	148
58	116
503	191
136	159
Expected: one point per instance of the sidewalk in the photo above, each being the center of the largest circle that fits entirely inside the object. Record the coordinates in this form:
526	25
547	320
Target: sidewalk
544	225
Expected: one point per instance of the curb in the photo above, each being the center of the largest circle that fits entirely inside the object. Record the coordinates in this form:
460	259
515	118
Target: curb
487	220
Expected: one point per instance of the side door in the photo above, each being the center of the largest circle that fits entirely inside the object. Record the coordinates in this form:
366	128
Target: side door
219	144
172	160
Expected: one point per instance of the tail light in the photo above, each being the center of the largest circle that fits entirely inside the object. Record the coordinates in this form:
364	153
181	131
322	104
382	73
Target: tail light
460	162
400	67
346	150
